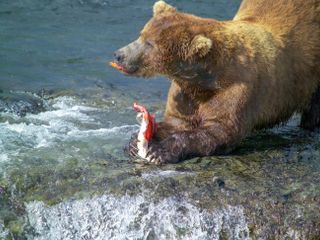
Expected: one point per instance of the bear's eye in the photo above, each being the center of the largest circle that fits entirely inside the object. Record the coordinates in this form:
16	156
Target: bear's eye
148	43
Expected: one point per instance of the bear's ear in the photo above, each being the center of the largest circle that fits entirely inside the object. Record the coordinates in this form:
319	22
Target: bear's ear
161	7
200	45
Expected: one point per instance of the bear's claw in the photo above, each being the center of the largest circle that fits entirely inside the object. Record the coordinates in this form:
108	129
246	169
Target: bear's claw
166	151
155	155
131	148
161	153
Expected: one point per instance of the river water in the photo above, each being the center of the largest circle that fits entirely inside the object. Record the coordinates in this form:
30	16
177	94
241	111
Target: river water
65	117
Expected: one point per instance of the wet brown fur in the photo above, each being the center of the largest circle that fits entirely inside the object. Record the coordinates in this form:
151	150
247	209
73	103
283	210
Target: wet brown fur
265	65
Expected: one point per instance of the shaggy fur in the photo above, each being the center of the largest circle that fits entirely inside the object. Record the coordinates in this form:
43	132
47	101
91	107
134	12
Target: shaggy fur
229	78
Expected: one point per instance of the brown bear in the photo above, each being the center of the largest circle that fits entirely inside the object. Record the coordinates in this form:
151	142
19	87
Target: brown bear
228	77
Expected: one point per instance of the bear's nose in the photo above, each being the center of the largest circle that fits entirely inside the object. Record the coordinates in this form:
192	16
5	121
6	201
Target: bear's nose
118	56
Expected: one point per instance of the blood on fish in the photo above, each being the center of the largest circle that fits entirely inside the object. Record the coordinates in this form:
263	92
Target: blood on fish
149	120
147	129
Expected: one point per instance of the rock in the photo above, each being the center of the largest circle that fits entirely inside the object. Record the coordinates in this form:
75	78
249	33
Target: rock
20	103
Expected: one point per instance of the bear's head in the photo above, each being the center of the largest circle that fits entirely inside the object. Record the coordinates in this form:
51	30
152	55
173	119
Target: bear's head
172	44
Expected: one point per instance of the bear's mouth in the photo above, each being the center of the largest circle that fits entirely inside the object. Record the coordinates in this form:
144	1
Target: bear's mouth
122	68
118	66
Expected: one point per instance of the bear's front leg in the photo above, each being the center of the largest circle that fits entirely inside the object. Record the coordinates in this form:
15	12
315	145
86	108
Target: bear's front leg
216	126
203	141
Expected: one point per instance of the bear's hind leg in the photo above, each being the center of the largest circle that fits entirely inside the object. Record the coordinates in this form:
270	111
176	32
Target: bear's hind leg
310	118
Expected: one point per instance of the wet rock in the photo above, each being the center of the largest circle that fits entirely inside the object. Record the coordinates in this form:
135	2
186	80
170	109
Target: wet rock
253	196
20	103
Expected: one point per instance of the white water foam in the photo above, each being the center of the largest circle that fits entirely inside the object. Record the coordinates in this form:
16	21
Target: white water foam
121	130
110	217
4	233
3	156
61	124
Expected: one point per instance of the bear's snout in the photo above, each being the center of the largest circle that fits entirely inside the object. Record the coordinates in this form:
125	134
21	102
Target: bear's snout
118	56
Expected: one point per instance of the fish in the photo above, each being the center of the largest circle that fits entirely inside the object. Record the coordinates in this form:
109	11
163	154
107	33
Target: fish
117	66
148	127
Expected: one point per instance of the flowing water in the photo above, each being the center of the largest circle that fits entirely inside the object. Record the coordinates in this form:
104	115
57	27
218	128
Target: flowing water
65	117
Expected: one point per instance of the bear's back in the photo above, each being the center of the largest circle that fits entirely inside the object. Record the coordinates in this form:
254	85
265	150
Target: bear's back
281	15
294	23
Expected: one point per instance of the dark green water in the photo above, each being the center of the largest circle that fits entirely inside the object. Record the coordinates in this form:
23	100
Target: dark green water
65	117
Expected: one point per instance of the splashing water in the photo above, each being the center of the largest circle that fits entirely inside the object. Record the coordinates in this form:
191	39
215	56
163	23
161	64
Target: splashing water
66	122
110	217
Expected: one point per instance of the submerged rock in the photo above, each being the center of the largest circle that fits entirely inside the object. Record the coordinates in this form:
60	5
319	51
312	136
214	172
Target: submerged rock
20	103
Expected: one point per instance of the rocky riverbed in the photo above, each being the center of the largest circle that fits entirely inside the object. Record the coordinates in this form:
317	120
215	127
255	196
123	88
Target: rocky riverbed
64	176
